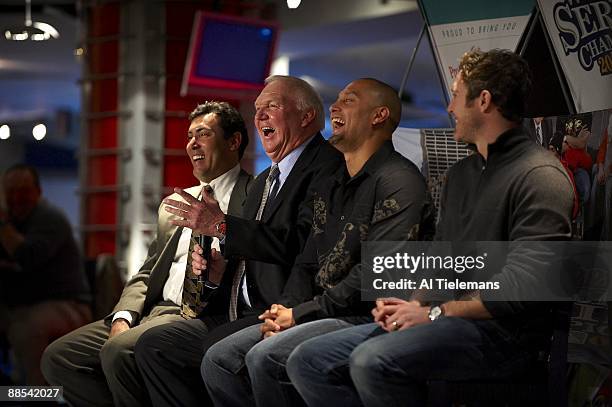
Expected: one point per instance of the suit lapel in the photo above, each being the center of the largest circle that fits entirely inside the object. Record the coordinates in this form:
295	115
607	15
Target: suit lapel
301	165
161	269
546	133
239	194
254	195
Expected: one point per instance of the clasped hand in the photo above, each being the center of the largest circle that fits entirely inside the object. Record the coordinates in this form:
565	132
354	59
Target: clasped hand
276	319
394	314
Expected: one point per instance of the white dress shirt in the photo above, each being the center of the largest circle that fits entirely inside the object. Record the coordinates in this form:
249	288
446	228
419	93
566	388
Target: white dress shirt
173	289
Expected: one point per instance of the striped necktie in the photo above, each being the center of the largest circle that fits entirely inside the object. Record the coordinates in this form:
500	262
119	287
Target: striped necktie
192	303
272	176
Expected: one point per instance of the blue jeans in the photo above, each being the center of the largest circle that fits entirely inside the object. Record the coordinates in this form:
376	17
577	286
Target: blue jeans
364	365
243	369
582	179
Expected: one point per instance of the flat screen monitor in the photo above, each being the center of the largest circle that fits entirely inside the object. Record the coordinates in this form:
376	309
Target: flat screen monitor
229	53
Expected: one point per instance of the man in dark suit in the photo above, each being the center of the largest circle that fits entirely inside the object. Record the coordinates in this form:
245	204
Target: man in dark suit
278	216
95	364
540	130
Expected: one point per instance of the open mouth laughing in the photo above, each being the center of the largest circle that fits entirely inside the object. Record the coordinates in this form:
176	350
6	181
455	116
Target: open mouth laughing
267	131
337	122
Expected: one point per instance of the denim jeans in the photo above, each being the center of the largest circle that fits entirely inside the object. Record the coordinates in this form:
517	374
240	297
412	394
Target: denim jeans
364	365
582	179
243	369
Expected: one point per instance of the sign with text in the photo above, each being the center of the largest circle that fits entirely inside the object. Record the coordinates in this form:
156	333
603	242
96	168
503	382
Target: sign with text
581	34
456	27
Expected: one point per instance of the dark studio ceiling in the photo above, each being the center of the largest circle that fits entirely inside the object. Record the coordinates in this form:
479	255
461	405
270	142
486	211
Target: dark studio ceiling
328	42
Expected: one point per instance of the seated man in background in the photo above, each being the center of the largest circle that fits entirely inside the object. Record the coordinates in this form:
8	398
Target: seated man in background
377	195
44	292
95	364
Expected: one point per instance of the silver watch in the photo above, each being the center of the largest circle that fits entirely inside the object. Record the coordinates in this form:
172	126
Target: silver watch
435	312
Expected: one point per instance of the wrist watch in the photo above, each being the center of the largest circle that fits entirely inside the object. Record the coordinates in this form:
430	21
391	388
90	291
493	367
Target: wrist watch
435	312
220	228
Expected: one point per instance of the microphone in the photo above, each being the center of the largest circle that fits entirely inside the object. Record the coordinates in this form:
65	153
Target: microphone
206	287
206	243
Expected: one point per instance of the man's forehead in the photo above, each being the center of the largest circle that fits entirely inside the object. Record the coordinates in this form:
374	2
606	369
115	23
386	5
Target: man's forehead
457	82
201	121
348	91
356	87
271	92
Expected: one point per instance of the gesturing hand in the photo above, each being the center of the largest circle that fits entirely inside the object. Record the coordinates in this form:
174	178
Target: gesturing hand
200	216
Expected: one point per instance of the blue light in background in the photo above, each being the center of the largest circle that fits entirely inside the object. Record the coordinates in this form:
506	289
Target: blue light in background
265	32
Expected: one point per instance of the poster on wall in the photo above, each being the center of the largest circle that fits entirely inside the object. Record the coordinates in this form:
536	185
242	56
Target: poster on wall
581	35
456	27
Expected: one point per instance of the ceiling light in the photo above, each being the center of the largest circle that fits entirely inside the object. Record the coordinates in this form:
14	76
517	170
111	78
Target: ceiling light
293	3
32	30
5	132
39	131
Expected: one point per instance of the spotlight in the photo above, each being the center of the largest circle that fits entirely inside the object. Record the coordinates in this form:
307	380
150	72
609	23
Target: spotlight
39	131
293	3
5	132
33	30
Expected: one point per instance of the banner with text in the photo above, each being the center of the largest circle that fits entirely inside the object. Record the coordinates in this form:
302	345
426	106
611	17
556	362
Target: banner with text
456	27
581	34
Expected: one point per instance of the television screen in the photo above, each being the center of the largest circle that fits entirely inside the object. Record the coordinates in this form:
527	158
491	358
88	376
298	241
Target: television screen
229	53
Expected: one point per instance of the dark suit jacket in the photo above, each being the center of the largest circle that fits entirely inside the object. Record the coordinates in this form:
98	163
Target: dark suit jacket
547	131
145	289
272	244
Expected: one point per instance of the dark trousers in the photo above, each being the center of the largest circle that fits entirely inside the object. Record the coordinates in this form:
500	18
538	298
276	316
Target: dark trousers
96	371
169	358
